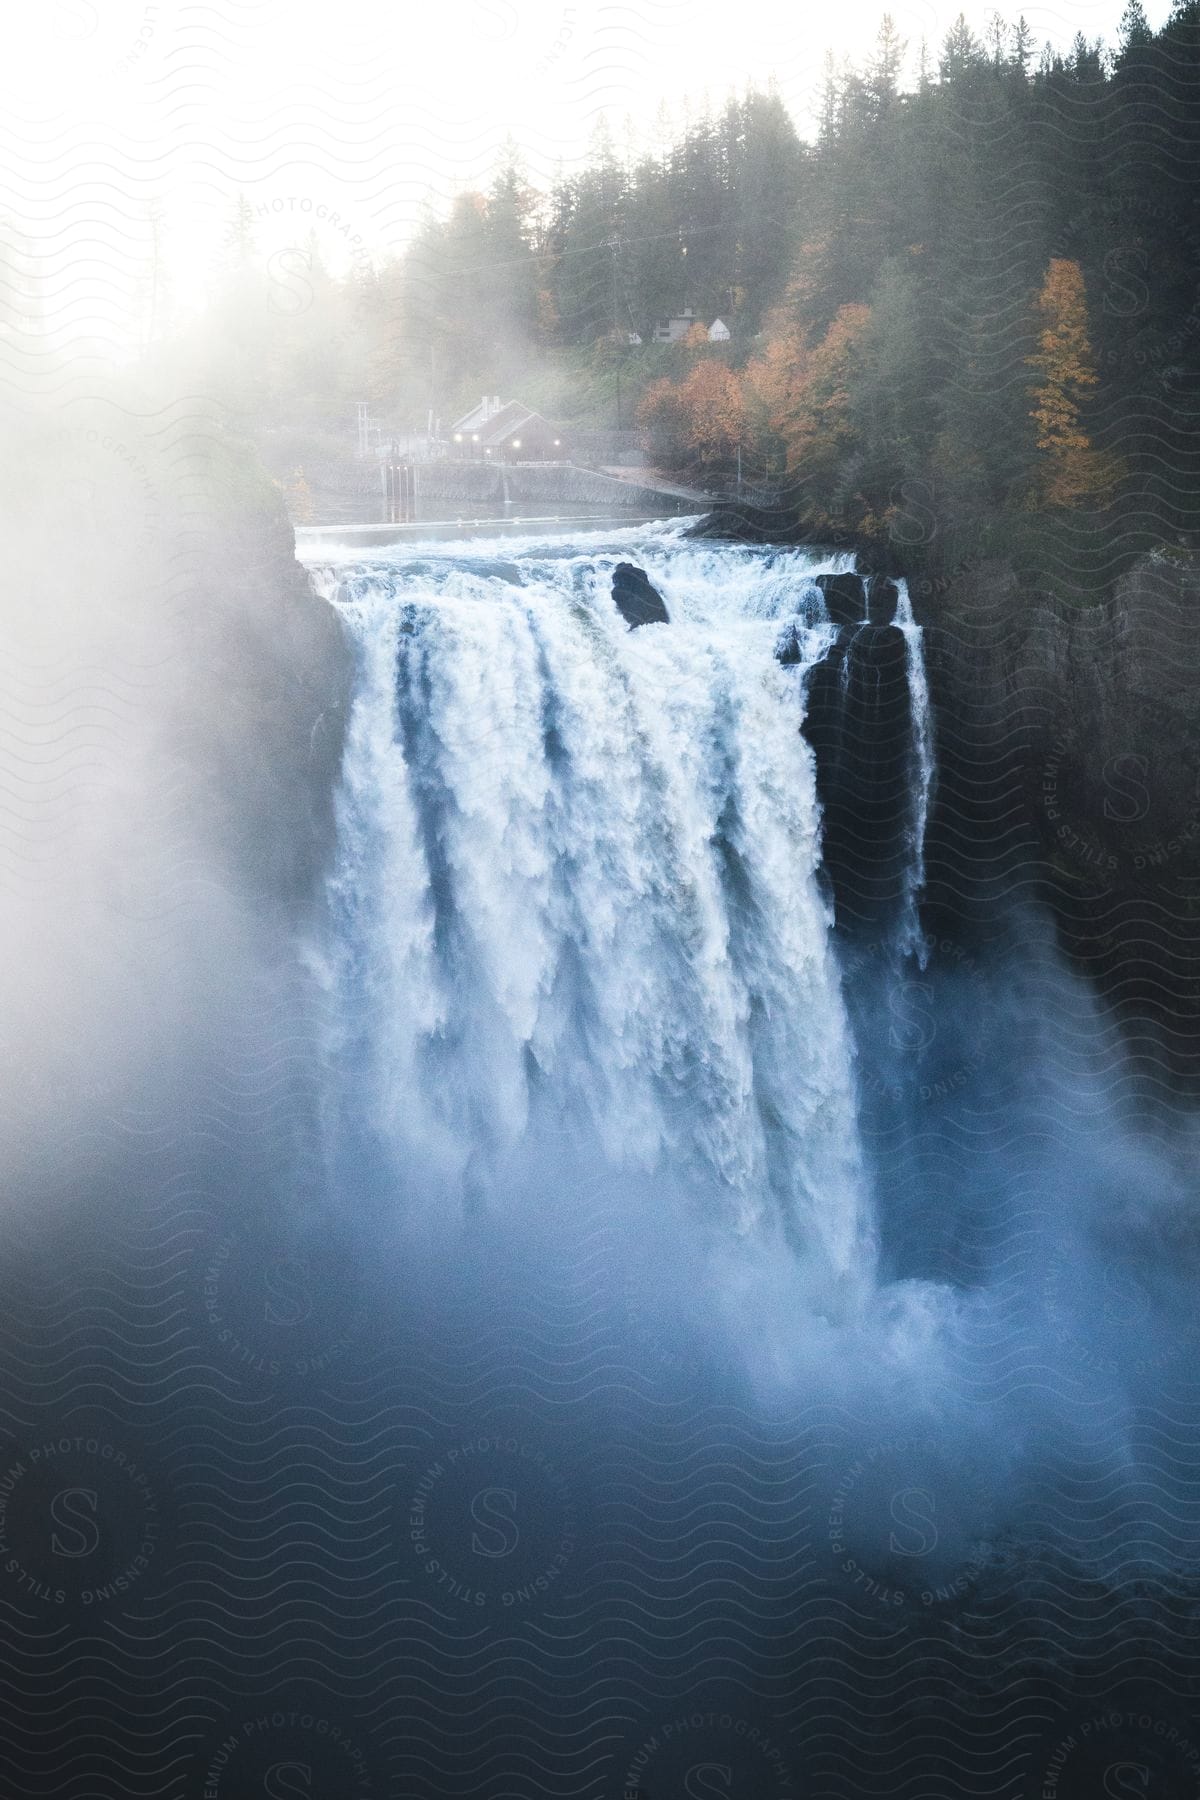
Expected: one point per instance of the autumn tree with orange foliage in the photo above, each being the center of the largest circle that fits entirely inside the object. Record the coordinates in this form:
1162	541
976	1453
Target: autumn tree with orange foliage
1073	472
701	420
660	416
775	392
801	400
714	412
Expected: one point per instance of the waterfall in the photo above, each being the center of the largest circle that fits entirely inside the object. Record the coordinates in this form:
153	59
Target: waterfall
579	891
921	786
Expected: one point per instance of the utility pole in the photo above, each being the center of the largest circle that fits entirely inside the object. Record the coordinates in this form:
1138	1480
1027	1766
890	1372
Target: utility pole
432	386
614	245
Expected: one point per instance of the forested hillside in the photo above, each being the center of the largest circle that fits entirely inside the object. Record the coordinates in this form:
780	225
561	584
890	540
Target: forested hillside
972	303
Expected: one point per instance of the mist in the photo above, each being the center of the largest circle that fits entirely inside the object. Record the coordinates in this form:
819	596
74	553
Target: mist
600	1191
955	1425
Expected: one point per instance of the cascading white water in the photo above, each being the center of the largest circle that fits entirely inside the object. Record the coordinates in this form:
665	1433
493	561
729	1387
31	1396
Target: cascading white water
911	939
578	875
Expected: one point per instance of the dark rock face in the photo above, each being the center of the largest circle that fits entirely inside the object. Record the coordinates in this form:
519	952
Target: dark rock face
882	596
845	597
637	600
787	650
858	720
1085	720
270	662
743	522
1069	774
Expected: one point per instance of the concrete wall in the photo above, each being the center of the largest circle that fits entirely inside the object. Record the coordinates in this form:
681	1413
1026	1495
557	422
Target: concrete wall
540	484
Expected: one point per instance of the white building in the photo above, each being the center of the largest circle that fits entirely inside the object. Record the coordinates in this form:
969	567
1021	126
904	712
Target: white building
669	331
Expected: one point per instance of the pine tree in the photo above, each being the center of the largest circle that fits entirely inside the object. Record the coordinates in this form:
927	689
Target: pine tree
997	31
1135	28
765	202
883	70
831	105
962	53
1022	46
511	297
1086	63
1135	40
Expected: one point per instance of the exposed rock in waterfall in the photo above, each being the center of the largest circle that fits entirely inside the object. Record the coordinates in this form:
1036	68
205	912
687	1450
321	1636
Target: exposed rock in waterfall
845	597
882	597
637	599
787	649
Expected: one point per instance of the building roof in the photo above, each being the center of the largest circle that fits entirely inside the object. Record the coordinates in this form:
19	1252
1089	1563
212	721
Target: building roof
491	426
478	416
511	417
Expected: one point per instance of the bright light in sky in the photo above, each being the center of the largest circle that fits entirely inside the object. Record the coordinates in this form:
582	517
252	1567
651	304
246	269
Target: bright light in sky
351	118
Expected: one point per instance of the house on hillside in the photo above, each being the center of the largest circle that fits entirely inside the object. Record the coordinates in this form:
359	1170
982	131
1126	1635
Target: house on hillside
672	330
669	331
506	431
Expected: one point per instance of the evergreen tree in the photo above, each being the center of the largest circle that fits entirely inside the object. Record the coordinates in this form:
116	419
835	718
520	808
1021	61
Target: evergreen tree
1022	47
883	71
829	112
962	53
1135	29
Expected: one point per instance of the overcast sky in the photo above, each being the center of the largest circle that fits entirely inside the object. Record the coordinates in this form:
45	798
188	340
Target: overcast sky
116	108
